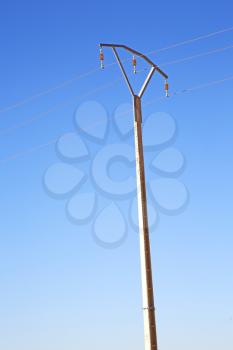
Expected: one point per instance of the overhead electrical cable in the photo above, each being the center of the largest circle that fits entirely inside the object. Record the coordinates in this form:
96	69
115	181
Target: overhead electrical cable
66	102
43	114
94	70
175	93
192	40
207	53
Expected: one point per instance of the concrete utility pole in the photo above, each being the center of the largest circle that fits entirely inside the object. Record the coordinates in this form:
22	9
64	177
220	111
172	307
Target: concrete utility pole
146	268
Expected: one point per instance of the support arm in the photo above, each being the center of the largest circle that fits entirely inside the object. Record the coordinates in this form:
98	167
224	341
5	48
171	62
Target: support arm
123	71
146	82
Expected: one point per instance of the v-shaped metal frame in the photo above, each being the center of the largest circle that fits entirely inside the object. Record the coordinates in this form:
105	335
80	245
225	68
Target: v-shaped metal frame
154	67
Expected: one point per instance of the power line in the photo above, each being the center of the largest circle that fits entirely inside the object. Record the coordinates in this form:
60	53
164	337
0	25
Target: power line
192	40
204	85
66	102
189	58
181	92
191	89
207	53
43	114
28	151
49	90
94	70
175	93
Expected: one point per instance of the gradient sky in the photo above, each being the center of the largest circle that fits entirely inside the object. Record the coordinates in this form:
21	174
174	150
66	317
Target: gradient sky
59	290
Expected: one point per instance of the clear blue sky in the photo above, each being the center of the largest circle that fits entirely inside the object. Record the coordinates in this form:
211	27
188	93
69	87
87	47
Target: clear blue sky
59	290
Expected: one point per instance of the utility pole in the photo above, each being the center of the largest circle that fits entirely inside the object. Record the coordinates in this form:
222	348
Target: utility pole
150	334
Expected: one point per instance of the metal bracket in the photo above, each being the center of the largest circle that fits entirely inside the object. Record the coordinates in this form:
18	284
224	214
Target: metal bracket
123	71
154	67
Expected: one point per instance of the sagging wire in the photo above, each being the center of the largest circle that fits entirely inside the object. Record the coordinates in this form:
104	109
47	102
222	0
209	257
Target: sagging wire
175	93
92	71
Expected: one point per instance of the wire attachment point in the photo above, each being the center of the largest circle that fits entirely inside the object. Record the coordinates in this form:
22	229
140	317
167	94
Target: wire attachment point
101	58
134	62
166	87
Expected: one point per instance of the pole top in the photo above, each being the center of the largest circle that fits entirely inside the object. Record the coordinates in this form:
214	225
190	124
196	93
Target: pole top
137	53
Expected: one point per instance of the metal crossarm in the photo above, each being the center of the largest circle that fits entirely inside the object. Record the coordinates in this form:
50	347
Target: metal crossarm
137	53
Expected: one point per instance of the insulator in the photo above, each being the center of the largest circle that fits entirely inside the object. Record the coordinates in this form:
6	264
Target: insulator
166	87
134	62
101	58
